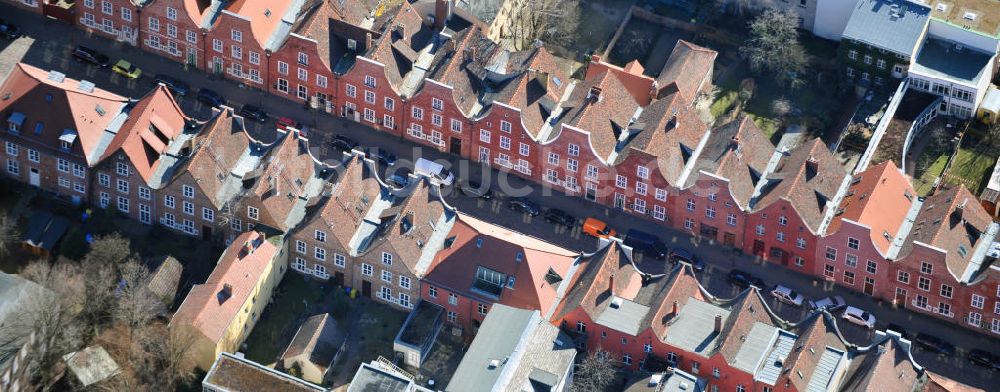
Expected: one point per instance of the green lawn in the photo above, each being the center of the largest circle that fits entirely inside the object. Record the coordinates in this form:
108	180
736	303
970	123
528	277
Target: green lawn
973	167
294	298
925	182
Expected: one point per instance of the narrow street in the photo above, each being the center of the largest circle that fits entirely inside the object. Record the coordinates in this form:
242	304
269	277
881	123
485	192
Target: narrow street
48	45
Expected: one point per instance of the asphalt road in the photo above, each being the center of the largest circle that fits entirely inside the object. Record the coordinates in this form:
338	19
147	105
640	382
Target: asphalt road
48	45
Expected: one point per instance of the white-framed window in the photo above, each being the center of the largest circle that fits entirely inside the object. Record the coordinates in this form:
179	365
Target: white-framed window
13	167
831	253
236	52
300	246
452	299
283	69
923	283
642	172
731	219
370	81
283	85
437	104
947	291
320	271
303	58
253	213
851	260
640	188
187	191
659	212
688	223
639	205
79	187
710	212
33	156
689	205
105	199
12	149
504	142
122	186
484	136
217	45
88	3
591	172
191	36
437	120
853	243
320	81
759	229
456	125
304	75
903	277
236	35
208	214
572	165
661	194
319	253
621	181
367	269
188	207
349	89
63	182
339	260
417	113
452	317
62	165
168	201
145	193
171	31
783	220
302	92
126	14
387	121
386	258
926	268
800	243
390	103
123	204
386	276
481	308
977	301
505	126
237	226
369	115
254	57
404	282
107	7
104	180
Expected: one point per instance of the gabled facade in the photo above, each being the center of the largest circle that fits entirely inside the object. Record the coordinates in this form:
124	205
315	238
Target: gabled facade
482	264
868	230
793	205
176	29
113	19
57	153
719	186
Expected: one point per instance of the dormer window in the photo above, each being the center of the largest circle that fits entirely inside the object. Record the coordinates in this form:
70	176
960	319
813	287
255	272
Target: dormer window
15	122
489	281
66	139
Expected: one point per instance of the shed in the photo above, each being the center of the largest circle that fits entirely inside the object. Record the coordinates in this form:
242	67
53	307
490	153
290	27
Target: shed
91	365
44	231
314	347
990	108
165	279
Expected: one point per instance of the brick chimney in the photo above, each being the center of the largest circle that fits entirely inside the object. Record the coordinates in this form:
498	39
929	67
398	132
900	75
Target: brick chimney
442	12
611	283
718	323
368	40
812	167
673	308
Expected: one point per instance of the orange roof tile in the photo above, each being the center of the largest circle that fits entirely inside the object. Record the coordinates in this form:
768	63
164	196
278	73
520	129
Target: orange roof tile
211	307
631	76
153	122
880	199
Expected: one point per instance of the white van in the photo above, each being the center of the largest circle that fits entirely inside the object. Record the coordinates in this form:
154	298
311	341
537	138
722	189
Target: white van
433	170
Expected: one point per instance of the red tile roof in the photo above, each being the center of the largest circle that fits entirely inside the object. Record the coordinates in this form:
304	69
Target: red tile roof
264	16
350	200
215	152
287	169
601	106
631	76
880	197
886	367
31	92
670	130
400	43
211	307
317	22
952	220
411	222
808	178
739	152
456	264
153	123
689	66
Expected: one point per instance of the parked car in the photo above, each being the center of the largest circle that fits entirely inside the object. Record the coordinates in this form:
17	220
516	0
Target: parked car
175	85
899	329
984	358
787	295
285	122
127	69
742	278
344	143
398	180
646	243
381	155
559	217
253	112
10	31
681	254
85	54
934	344
524	206
597	228
474	189
859	317
210	97
828	303
434	170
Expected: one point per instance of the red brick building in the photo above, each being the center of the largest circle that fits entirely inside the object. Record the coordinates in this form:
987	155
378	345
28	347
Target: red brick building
942	268
867	232
137	157
794	205
56	152
176	29
719	186
521	272
113	19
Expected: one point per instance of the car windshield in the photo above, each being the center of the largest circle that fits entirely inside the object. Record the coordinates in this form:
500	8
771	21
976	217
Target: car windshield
792	294
865	315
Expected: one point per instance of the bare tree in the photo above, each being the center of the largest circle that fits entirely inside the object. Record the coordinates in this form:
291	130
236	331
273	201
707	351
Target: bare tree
100	269
551	21
774	47
54	317
135	305
8	233
595	373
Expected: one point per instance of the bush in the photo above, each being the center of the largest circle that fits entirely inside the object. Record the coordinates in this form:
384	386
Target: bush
74	245
723	104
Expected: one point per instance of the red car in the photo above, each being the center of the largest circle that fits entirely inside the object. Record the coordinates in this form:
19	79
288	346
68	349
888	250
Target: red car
285	122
